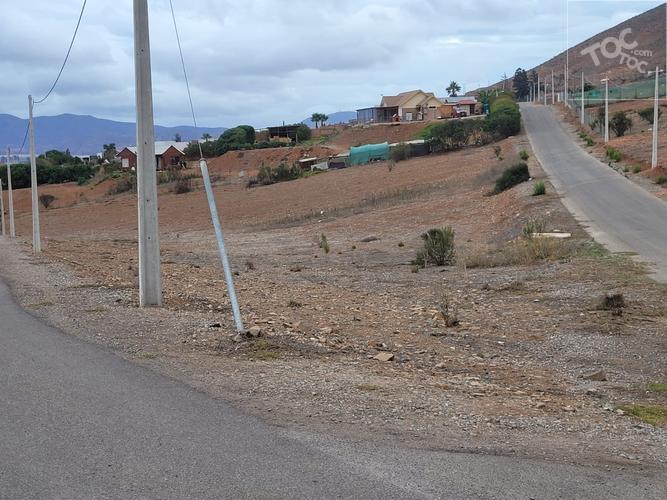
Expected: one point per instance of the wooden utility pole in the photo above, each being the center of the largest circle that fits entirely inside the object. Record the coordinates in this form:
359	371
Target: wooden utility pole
10	195
150	282
36	239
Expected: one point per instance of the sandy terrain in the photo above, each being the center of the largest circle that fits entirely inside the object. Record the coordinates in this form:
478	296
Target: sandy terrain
510	378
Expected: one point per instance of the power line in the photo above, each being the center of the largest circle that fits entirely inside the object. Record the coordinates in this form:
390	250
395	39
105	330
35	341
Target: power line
25	137
185	75
62	68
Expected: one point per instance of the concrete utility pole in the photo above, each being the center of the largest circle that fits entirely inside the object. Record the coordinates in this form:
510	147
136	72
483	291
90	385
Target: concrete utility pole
546	91
36	239
583	118
656	100
606	110
2	209
538	88
553	88
10	195
150	282
567	97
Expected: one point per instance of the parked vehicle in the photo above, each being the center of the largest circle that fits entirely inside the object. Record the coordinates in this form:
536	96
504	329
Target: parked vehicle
459	112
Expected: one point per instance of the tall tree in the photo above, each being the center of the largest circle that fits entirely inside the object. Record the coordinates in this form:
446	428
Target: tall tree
453	89
316	119
205	136
177	137
109	151
521	83
323	119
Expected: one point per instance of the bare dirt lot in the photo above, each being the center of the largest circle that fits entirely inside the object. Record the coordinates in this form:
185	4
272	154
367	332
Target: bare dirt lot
519	374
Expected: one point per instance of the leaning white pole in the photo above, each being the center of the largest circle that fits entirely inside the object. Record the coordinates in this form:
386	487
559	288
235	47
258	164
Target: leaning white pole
150	283
36	239
583	118
538	88
654	152
10	195
221	246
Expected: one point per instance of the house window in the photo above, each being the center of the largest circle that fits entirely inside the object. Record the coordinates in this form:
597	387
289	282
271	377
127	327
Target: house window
175	160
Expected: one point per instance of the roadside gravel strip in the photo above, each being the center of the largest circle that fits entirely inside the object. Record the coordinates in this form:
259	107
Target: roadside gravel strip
616	212
77	421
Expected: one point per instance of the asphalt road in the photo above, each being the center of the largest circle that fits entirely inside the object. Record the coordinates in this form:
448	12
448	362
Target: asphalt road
77	421
617	212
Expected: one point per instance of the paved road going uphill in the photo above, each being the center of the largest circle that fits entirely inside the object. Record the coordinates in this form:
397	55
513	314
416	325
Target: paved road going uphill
76	421
617	212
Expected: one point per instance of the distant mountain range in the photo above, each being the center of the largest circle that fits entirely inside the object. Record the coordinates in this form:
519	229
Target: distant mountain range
334	118
85	135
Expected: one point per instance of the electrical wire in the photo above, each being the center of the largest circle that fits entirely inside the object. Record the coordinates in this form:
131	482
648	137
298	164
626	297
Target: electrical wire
62	68
27	128
185	75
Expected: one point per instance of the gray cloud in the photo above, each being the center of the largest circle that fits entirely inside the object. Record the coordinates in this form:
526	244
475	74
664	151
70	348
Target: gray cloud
265	61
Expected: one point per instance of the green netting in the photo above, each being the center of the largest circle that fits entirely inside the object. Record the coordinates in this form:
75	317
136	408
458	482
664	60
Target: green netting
637	90
369	152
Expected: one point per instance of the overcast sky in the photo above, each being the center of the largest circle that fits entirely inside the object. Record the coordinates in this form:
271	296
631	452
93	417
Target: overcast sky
265	61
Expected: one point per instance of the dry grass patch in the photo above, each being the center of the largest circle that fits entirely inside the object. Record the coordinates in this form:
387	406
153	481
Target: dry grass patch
651	414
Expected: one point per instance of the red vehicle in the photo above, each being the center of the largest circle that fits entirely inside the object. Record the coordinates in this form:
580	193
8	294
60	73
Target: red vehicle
458	112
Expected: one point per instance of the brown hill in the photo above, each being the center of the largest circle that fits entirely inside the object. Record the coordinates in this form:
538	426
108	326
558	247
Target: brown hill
648	30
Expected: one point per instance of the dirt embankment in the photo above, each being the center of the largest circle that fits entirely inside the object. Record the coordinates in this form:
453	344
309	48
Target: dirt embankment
511	375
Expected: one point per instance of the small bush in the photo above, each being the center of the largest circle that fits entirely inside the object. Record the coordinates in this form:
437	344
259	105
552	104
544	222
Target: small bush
533	227
620	123
637	169
614	303
449	314
523	154
182	186
125	184
539	188
497	150
661	180
647	114
47	200
401	152
438	249
511	177
613	154
324	244
650	414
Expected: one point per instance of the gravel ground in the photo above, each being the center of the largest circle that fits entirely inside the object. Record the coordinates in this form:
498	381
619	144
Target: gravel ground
510	378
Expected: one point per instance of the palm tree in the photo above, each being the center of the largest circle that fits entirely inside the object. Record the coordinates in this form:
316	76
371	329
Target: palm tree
316	119
323	119
453	89
205	136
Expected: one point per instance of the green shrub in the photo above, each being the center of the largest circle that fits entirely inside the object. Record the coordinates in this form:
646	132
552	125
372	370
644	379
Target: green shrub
661	180
125	184
523	154
620	123
533	227
268	175
512	176
613	154
451	135
438	249
636	169
647	114
539	188
183	185
401	152
47	200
